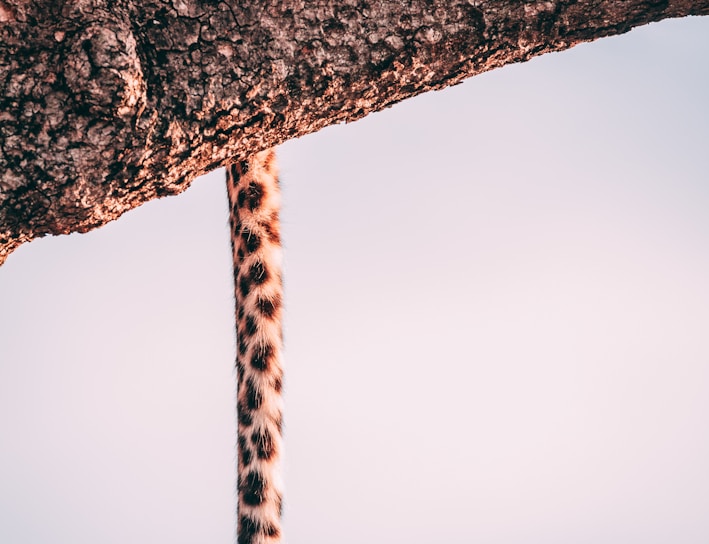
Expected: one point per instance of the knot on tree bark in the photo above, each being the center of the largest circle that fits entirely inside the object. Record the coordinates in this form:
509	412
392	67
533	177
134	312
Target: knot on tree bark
74	93
104	72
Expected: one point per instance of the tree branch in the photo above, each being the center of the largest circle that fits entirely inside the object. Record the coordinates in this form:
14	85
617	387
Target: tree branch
107	104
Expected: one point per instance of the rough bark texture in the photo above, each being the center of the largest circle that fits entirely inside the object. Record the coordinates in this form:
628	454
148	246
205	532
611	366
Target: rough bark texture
106	104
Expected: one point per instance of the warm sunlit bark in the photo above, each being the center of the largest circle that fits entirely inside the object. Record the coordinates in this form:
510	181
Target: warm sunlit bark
106	104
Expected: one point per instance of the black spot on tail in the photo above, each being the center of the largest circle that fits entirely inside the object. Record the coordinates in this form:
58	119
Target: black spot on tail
268	306
261	357
233	173
253	489
244	286
272	230
252	241
264	443
245	453
270	530
248	529
250	326
254	195
254	398
258	273
241	344
244	414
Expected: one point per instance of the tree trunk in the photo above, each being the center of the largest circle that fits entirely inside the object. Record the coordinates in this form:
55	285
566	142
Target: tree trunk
107	104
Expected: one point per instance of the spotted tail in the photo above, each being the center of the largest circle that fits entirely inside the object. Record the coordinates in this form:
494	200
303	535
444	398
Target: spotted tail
254	198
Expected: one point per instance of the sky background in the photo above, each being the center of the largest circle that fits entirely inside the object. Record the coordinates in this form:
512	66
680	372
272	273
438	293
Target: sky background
497	320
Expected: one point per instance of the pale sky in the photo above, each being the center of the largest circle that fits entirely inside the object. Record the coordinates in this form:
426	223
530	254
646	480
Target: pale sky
496	327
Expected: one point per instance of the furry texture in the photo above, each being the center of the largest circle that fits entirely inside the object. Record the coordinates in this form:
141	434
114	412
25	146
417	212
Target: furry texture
254	199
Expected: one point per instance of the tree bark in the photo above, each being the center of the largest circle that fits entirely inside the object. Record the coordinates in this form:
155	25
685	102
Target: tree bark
106	104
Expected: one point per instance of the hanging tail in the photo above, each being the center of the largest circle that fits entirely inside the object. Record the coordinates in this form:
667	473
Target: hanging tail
254	199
